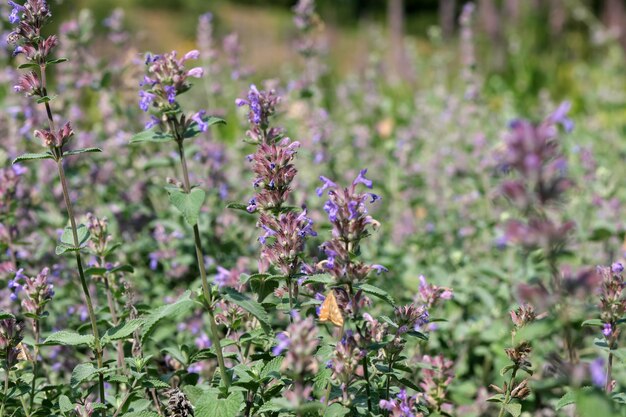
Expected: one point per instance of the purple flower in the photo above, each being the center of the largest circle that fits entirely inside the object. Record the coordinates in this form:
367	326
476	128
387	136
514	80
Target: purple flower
332	209
198	118
598	375
170	90
196	72
14	17
379	269
18	169
607	330
194	54
617	268
326	184
360	179
154	121
560	116
145	100
282	344
251	206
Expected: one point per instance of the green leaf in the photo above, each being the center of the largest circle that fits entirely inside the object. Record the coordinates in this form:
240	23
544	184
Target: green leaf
172	311
377	292
336	410
67	338
121	331
567	399
593	404
151	135
81	373
319	279
4	315
65	404
189	204
593	322
79	151
32	157
66	243
237	206
143	413
56	61
29	65
250	306
101	271
194	130
515	409
45	99
210	405
155	383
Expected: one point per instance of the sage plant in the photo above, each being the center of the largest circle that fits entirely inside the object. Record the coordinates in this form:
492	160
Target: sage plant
27	38
165	80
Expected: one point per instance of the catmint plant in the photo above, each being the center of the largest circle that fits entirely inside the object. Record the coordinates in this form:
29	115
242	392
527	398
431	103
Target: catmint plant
29	42
11	335
514	391
612	309
165	80
284	231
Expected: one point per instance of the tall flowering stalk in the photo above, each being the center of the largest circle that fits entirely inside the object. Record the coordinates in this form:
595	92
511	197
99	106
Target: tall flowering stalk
37	293
11	335
612	309
29	20
347	211
532	151
284	230
165	80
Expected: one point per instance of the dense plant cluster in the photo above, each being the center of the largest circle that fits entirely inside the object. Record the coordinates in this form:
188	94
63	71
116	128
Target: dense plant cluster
412	252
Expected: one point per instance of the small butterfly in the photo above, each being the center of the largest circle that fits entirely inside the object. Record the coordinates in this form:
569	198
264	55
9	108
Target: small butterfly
23	353
329	311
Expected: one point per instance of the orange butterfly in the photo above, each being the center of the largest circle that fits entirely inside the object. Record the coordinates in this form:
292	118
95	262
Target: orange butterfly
330	310
23	353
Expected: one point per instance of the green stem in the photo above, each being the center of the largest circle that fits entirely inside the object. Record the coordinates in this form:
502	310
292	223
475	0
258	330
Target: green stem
83	281
507	397
214	334
5	392
70	213
35	363
609	370
367	384
290	288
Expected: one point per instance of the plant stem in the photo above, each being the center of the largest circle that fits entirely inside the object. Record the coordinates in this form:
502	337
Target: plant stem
5	392
35	363
289	287
114	318
609	370
214	334
70	213
83	281
507	397
367	384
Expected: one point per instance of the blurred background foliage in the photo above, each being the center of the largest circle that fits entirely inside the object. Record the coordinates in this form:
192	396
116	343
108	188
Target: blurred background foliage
526	46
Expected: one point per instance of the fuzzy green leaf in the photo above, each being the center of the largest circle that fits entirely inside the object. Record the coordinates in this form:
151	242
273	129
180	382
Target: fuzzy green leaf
211	406
66	243
65	405
121	331
377	292
79	151
56	61
189	204
81	373
172	311
319	279
250	306
32	157
194	129
151	135
67	338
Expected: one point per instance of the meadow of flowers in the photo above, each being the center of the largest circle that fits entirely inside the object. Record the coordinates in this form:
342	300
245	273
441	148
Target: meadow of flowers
181	237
